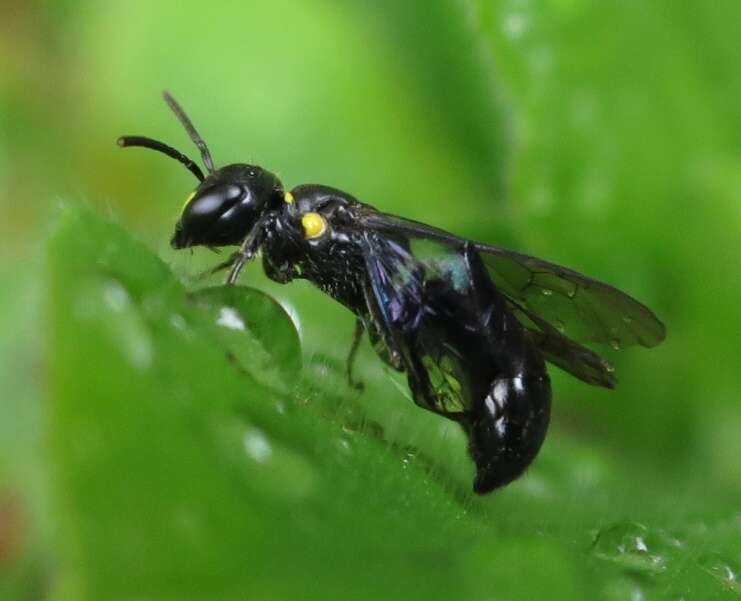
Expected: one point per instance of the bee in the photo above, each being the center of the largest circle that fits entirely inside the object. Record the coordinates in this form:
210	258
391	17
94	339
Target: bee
472	325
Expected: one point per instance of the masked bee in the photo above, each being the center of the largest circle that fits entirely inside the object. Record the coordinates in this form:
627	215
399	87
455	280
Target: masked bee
472	325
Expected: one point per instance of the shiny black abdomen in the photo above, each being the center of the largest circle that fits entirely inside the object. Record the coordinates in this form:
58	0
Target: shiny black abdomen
467	358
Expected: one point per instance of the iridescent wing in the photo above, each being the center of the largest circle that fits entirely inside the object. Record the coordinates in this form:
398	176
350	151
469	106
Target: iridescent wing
425	306
580	307
558	306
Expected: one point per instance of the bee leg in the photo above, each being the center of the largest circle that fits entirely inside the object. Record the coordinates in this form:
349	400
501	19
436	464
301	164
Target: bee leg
249	247
219	267
356	339
242	258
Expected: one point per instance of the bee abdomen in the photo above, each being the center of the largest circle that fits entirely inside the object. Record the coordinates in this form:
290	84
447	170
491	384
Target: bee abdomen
506	432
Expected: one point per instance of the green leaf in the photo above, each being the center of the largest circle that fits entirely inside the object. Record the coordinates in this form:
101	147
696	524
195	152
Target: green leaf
182	470
178	473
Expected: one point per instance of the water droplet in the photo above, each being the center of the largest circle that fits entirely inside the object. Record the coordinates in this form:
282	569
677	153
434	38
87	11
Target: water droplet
116	296
274	469
571	293
546	292
615	343
344	446
408	457
178	322
609	367
322	369
632	546
110	303
257	445
230	318
560	326
722	570
627	320
350	427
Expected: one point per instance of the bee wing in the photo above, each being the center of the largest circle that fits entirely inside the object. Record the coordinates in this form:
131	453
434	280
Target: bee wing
572	304
585	309
425	307
565	353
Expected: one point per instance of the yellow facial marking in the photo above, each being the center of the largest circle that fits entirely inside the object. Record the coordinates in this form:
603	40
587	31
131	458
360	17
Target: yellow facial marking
288	197
187	200
314	225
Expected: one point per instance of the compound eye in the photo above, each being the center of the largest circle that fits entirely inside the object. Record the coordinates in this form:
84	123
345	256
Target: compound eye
314	225
213	201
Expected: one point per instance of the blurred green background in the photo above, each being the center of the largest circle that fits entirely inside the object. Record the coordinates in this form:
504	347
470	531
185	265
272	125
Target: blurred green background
136	462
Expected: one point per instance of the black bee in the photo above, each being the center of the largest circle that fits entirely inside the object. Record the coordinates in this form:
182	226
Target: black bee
471	324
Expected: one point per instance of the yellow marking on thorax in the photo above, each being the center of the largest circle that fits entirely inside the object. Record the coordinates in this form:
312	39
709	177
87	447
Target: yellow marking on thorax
187	200
314	225
288	197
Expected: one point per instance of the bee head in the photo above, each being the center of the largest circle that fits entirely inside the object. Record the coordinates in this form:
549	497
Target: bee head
227	203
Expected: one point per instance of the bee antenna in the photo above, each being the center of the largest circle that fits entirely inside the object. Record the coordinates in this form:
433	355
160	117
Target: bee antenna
125	141
185	121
